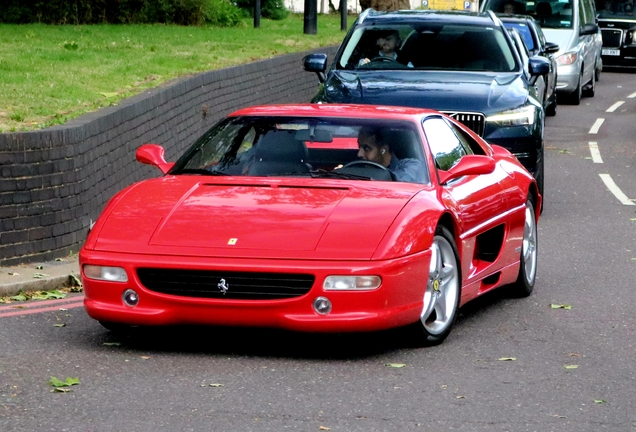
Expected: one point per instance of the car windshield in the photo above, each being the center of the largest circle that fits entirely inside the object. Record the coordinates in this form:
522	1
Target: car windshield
551	14
301	147
431	46
615	9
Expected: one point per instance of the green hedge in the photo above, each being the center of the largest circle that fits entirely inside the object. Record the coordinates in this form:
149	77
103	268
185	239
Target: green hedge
183	12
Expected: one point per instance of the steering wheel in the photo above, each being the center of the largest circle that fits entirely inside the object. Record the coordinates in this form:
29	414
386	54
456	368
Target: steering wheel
371	164
388	61
384	59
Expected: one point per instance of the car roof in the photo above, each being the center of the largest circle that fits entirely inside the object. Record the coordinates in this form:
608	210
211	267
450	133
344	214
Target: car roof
456	17
335	110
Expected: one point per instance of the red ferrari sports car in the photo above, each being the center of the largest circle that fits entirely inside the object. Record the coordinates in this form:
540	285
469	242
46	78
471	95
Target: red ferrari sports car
318	218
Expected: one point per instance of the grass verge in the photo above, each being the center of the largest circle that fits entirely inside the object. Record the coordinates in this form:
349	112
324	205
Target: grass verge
50	74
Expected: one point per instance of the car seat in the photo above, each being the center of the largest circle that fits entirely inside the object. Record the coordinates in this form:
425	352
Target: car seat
279	152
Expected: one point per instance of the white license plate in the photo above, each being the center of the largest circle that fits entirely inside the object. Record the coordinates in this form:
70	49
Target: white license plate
611	52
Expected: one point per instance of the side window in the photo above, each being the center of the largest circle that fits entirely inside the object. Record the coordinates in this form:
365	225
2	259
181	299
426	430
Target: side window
446	147
540	36
586	12
469	144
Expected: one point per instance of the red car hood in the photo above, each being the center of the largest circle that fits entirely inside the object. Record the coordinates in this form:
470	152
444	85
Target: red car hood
251	218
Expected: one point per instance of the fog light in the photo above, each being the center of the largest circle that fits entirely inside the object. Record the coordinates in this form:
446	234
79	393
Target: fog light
130	298
322	305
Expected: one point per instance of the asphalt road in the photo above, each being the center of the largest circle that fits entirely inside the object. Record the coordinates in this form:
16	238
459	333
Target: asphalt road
509	365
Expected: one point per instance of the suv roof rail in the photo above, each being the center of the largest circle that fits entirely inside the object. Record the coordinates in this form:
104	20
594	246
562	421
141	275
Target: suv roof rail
493	17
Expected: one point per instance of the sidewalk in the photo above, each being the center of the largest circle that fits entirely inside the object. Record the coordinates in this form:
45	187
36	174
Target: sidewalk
44	276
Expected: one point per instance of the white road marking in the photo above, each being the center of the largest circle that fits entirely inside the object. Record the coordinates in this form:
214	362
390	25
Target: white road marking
615	190
632	96
616	105
596	154
597	125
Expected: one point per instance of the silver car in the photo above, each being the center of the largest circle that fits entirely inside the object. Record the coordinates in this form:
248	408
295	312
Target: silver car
572	25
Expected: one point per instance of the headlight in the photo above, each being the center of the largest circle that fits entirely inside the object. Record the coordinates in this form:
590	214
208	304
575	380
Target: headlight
111	274
515	117
566	59
358	283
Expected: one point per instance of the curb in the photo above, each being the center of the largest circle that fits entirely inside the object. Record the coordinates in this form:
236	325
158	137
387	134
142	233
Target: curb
45	284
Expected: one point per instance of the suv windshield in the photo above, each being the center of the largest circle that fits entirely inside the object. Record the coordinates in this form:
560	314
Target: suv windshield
615	9
549	13
431	46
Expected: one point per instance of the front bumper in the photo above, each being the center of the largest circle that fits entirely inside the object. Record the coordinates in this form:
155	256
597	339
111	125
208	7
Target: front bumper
568	77
525	142
397	302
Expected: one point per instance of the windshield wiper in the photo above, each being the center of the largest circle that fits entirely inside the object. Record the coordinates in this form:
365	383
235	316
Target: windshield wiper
335	174
201	171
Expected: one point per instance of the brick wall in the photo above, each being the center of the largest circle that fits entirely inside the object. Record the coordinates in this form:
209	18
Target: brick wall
53	182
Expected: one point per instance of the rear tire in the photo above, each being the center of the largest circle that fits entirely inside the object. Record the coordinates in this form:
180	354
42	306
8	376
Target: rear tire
524	284
442	292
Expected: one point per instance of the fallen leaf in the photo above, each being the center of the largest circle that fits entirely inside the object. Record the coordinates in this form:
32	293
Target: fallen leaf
59	325
111	344
19	297
396	365
14	274
560	306
55	382
40	275
574	354
145	357
599	401
39	267
324	428
460	397
507	359
571	366
215	385
61	390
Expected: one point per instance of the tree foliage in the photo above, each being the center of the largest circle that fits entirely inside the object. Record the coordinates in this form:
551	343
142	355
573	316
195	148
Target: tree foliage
182	12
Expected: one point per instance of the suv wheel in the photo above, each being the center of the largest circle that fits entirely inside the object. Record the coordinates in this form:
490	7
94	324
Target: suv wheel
575	97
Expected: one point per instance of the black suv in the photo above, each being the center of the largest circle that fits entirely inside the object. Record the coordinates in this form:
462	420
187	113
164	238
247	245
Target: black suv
462	64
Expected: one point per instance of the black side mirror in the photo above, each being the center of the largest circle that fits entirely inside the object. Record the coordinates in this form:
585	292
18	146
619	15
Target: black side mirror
539	66
316	63
589	29
551	48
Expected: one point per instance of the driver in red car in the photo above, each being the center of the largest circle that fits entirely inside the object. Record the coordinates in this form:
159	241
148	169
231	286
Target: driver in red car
388	42
373	146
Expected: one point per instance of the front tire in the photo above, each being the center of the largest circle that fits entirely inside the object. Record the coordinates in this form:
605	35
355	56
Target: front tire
442	293
524	285
116	327
590	91
575	97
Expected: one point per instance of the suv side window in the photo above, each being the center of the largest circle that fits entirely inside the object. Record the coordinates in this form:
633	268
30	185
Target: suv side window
587	7
446	147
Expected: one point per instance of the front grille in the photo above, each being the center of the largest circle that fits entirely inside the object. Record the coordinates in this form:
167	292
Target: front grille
612	38
474	121
238	285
